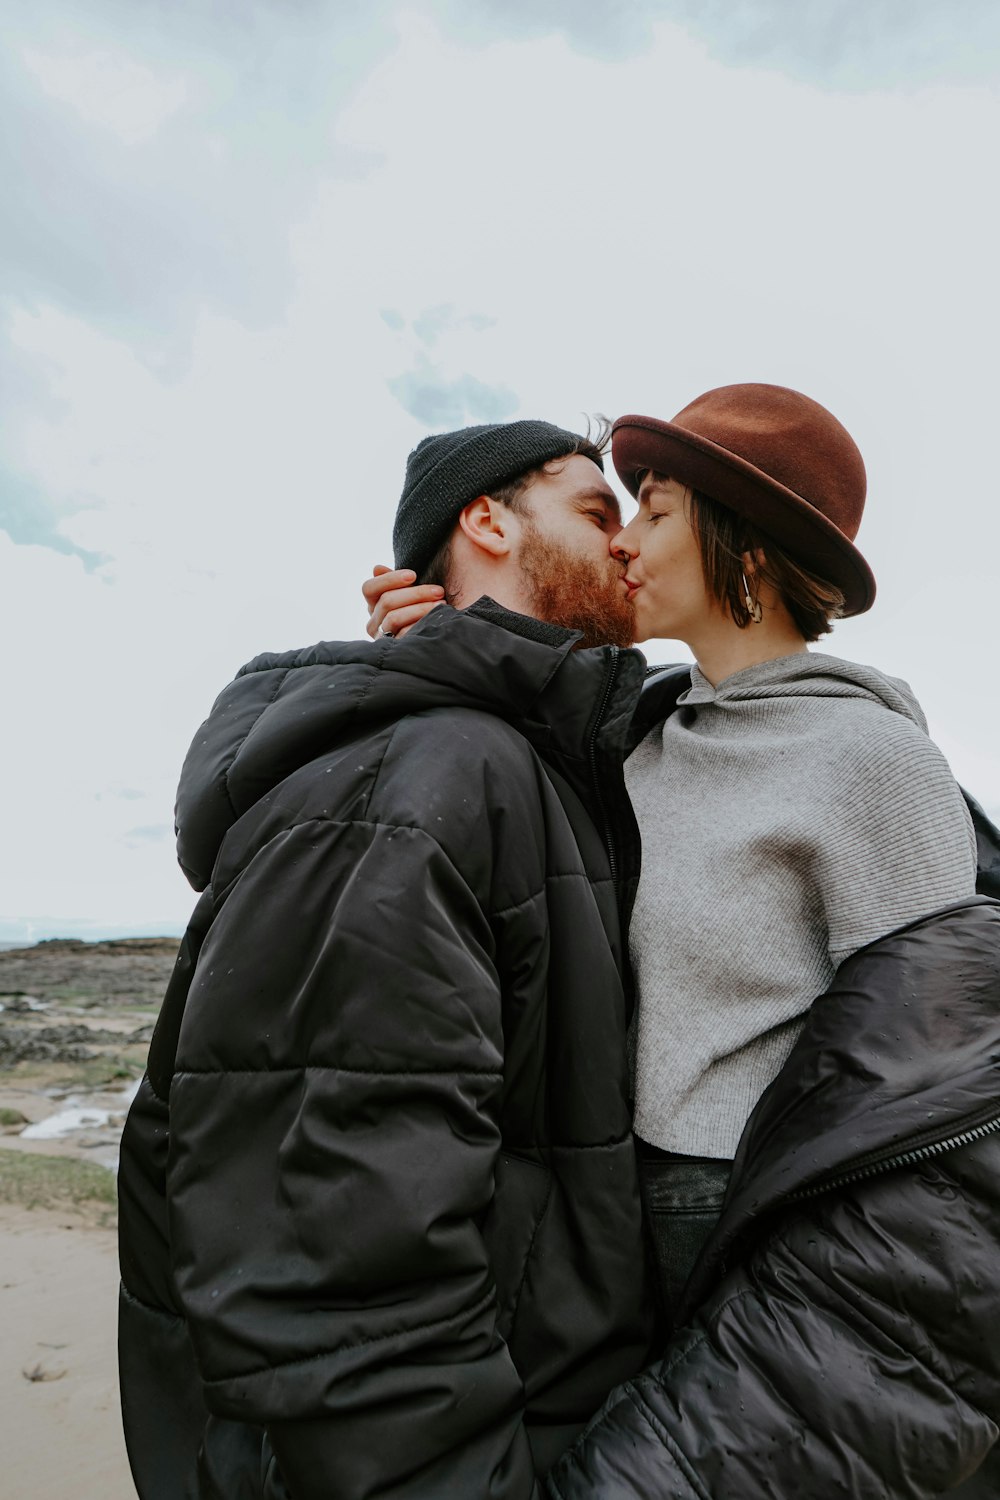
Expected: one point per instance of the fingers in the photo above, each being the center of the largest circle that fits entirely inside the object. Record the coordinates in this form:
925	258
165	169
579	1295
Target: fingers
385	578
392	592
401	601
398	621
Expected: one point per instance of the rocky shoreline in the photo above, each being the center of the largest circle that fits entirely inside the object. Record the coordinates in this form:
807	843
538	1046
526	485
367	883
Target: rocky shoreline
75	1022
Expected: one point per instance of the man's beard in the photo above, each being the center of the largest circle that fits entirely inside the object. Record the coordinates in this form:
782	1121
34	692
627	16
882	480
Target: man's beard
575	592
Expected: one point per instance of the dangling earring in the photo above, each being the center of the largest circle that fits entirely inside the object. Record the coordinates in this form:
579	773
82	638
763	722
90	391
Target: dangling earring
753	605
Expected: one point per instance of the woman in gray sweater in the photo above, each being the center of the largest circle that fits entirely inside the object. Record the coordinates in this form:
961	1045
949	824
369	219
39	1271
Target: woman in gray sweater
792	808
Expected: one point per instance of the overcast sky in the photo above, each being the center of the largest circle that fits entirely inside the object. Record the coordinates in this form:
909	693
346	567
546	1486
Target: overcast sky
253	252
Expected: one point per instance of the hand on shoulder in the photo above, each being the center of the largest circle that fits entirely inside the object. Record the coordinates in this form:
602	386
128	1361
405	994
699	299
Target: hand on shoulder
395	600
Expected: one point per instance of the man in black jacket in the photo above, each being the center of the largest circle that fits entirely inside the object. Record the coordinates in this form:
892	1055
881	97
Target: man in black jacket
380	1228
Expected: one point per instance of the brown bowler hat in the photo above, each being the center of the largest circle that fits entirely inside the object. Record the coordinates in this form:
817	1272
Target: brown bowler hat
773	456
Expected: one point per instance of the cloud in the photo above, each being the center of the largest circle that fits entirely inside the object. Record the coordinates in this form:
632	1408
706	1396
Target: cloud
434	321
149	833
139	145
153	158
439	402
881	44
109	90
31	520
29	512
605	28
434	397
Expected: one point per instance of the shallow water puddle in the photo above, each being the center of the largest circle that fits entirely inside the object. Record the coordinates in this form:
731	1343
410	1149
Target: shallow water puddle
76	1115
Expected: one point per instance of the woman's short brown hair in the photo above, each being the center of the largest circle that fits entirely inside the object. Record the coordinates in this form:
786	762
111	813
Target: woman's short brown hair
724	538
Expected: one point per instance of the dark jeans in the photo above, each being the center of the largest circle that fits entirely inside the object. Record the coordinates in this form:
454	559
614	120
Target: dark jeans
682	1199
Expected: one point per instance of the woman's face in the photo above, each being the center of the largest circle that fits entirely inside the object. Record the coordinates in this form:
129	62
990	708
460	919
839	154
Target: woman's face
665	576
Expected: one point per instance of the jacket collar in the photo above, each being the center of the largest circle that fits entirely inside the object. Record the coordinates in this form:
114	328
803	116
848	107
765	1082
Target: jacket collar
658	699
285	709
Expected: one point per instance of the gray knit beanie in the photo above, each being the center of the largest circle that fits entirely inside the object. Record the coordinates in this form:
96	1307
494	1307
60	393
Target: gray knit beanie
446	471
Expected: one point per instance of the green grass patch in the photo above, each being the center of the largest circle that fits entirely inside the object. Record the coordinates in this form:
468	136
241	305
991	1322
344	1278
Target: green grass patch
129	1063
11	1117
114	1071
35	1181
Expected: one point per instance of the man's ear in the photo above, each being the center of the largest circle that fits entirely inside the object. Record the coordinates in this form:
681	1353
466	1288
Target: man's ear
487	524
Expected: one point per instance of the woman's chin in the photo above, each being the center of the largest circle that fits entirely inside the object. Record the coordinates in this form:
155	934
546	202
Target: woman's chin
646	629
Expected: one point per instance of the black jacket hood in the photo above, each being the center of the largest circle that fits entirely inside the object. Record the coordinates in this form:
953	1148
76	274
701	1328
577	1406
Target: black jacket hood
284	709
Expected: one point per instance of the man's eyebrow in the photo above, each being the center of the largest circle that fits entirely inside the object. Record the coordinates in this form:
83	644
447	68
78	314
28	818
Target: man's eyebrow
585	497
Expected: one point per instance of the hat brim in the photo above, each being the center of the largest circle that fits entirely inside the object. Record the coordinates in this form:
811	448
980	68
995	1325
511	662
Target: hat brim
640	443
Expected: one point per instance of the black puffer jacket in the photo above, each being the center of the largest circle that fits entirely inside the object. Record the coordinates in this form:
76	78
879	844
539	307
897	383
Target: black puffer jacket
380	1229
840	1334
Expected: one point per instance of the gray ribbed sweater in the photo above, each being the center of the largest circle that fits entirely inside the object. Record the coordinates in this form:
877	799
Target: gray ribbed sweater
789	816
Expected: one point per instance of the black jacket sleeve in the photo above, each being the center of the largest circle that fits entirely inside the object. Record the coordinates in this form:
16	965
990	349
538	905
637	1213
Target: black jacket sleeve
851	1356
337	1088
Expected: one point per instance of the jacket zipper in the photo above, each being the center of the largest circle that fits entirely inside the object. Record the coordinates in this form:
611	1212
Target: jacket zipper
900	1159
609	682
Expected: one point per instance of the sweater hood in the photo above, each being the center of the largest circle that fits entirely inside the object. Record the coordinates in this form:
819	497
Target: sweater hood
808	674
285	709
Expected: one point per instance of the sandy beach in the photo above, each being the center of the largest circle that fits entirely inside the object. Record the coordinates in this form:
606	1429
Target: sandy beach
60	1432
75	1021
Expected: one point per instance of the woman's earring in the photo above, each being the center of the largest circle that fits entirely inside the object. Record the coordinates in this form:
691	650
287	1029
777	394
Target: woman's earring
753	605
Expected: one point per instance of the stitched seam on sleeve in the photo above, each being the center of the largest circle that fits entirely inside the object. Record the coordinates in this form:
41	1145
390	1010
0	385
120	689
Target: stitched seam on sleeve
377	823
527	1258
506	911
381	1338
650	1417
688	1349
332	822
381	761
236	753
312	1067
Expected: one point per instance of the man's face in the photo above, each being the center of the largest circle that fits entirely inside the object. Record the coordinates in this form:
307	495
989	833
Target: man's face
564	534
